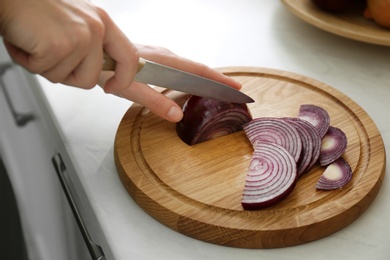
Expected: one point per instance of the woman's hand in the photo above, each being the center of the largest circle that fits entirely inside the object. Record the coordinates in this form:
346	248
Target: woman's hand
156	102
63	40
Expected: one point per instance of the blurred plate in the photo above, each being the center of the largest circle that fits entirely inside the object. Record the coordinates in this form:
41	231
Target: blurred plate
351	24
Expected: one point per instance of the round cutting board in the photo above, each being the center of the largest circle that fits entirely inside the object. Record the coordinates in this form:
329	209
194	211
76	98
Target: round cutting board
196	190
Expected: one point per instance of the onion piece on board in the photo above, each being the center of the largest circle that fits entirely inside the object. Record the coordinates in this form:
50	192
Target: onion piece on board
334	144
205	119
274	130
315	115
271	176
335	176
311	144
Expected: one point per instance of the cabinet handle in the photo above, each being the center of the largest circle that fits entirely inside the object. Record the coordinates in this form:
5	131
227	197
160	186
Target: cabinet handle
95	250
21	119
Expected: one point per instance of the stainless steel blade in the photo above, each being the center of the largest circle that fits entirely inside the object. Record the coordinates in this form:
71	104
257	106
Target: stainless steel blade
163	76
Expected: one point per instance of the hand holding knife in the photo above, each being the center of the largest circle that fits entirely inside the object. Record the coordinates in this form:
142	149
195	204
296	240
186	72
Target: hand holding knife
149	72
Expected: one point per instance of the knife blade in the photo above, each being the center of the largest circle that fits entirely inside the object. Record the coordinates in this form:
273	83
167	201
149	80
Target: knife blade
163	76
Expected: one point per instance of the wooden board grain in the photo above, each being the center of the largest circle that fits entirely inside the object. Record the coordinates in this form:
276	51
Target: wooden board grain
350	24
196	190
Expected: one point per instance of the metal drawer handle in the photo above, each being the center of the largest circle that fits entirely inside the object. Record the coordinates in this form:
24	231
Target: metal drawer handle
95	250
21	119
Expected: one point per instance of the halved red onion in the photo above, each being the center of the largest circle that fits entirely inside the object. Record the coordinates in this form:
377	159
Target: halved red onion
335	176
205	119
271	176
274	130
311	144
315	115
334	144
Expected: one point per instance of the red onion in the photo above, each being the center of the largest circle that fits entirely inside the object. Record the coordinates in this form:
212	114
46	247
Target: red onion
311	144
271	177
315	115
284	148
335	176
274	130
205	119
334	144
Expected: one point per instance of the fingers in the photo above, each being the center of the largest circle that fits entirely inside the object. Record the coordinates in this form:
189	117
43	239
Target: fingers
35	57
66	43
81	57
63	45
80	70
156	102
125	54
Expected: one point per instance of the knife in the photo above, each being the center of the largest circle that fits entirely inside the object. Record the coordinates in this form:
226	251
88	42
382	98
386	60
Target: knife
156	74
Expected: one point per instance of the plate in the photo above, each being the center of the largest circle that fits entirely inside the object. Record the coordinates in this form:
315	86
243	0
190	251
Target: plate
351	24
196	190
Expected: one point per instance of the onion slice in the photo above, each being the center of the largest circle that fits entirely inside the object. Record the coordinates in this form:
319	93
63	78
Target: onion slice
335	176
334	144
271	176
274	130
315	115
311	144
205	119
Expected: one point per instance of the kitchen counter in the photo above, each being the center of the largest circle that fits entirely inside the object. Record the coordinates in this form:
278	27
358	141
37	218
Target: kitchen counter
219	34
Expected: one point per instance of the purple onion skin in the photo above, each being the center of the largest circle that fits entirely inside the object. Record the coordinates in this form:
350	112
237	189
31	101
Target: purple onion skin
311	144
337	147
307	144
206	118
344	170
262	205
317	116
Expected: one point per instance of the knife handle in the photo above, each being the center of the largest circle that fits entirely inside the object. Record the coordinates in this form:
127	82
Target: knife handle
109	64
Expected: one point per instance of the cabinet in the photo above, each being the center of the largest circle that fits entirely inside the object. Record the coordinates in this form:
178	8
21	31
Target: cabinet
31	150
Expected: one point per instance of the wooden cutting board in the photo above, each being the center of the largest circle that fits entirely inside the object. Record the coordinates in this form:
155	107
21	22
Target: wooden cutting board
196	190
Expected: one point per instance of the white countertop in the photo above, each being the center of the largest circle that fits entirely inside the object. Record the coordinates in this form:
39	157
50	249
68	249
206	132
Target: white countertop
219	34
